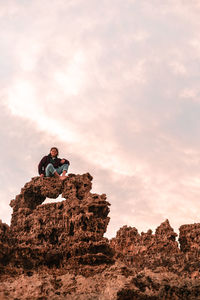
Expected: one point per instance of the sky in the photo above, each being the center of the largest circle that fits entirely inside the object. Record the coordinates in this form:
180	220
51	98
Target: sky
114	85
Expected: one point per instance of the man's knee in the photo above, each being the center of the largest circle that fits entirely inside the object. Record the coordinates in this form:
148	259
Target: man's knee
49	166
49	169
65	167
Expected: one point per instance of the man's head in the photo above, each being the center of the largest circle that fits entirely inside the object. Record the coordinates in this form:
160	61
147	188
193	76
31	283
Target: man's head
54	151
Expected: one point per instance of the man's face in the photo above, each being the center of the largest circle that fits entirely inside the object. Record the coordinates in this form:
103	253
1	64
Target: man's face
54	152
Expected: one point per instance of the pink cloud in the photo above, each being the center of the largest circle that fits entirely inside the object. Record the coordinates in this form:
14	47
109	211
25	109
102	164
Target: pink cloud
104	82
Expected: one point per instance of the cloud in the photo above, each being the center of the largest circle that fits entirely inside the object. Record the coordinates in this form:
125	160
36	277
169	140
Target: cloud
115	86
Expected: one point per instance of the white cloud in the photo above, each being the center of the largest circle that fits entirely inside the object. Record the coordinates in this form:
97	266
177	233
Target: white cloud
189	93
104	81
21	100
178	68
73	78
28	55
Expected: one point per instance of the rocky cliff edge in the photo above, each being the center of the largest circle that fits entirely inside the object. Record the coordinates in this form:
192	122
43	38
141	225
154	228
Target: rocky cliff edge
58	250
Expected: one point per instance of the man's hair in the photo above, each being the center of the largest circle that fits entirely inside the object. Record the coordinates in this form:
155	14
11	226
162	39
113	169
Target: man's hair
55	149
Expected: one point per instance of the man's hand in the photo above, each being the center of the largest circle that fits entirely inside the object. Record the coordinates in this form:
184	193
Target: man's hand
62	161
41	175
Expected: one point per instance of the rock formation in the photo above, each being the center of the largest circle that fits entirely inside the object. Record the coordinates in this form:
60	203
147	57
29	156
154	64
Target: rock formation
63	233
58	250
148	250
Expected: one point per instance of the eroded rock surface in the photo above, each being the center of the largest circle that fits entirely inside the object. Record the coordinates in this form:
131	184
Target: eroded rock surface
62	233
147	249
5	249
58	250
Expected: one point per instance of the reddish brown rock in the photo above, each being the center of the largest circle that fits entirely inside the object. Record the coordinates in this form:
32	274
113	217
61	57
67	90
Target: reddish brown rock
147	249
62	233
189	238
5	249
57	250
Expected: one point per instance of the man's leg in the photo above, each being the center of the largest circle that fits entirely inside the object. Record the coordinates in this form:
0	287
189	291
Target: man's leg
51	171
65	169
62	170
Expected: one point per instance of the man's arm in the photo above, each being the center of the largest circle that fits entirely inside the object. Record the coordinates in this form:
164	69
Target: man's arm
64	161
41	166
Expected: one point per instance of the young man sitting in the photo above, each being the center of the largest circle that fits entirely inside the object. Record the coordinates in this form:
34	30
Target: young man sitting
50	165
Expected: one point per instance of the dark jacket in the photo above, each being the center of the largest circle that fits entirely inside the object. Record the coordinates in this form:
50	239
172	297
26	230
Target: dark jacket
46	160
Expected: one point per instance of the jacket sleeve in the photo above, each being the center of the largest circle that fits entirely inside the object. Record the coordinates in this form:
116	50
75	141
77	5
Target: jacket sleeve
66	161
41	166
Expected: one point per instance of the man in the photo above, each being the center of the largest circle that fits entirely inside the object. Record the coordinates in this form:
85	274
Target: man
50	165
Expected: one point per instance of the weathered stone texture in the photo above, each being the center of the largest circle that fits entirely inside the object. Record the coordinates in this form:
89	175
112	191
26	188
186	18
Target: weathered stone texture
58	250
53	234
5	248
147	249
189	238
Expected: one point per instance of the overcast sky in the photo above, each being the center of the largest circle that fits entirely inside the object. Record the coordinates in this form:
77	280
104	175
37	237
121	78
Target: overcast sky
114	84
